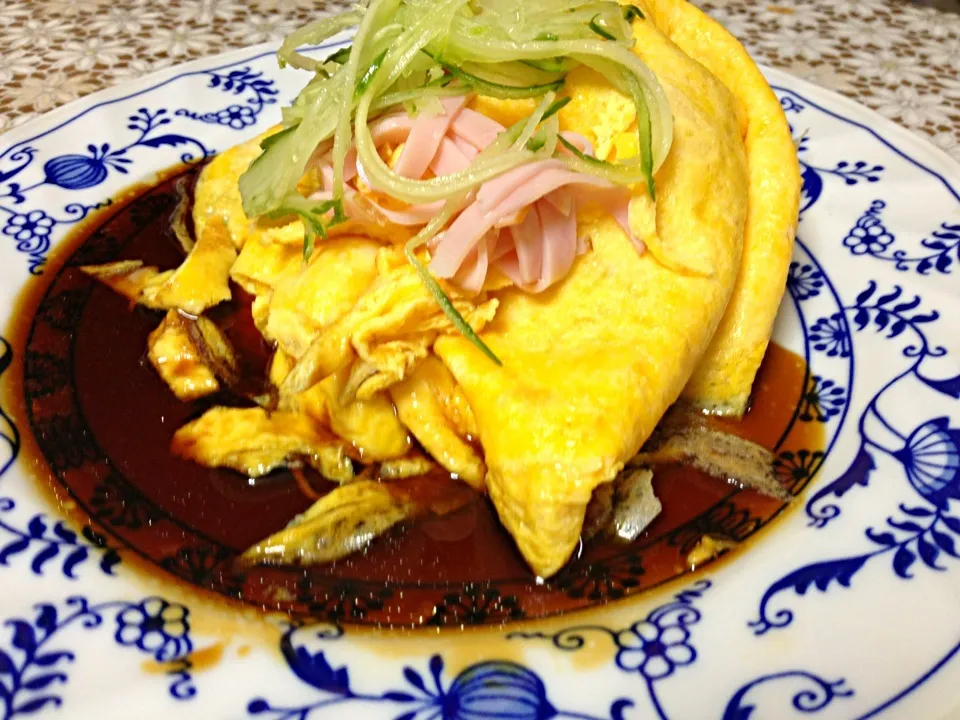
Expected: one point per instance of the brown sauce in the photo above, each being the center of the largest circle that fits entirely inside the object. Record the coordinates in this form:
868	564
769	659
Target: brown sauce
103	421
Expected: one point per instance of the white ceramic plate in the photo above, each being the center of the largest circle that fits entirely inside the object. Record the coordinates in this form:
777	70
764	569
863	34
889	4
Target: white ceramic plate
846	608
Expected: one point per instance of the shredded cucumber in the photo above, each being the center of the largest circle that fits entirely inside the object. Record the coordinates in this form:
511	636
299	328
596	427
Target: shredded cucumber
496	47
493	81
443	300
583	163
349	87
407	54
314	216
532	122
312	34
557	64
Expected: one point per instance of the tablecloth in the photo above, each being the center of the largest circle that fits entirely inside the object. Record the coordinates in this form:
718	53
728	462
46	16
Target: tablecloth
899	57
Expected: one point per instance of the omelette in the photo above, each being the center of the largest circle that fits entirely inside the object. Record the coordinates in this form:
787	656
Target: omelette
500	255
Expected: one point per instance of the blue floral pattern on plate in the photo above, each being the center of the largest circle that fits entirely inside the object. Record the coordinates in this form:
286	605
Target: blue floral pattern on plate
31	667
869	295
31	229
488	689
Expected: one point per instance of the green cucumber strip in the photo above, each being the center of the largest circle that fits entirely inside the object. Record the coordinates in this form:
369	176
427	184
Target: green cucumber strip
367	76
340	56
556	107
443	300
498	90
595	26
311	213
270	140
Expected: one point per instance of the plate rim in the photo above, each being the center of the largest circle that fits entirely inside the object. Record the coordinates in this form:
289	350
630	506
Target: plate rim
948	174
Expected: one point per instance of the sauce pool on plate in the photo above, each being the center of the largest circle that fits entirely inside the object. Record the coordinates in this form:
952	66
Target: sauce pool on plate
102	421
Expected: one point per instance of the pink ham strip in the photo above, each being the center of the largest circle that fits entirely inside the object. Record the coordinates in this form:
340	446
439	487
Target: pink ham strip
475	128
449	158
326	175
559	245
619	208
620	211
473	272
349	168
510	220
458	241
528	243
519	189
561	199
353	208
426	136
501	245
419	144
541	250
509	266
392	128
617	203
413	215
466	148
582	246
495	191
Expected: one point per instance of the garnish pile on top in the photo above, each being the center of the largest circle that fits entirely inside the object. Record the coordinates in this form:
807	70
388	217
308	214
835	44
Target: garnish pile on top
385	124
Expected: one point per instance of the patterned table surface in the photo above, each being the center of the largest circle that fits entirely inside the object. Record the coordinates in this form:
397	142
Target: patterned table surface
901	57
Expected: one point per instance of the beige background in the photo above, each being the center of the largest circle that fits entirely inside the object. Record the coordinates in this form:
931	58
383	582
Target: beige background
901	57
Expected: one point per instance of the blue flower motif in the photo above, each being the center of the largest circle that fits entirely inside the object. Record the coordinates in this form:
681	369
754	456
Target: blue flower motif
823	400
931	458
26	227
794	468
75	172
830	335
237	116
33	662
653	650
496	689
79	172
488	689
804	281
869	236
154	626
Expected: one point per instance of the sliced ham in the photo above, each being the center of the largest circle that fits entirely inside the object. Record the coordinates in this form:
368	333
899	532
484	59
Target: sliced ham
468	150
528	244
493	192
559	245
426	137
501	246
325	167
512	192
473	272
523	222
476	128
413	214
561	199
450	158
